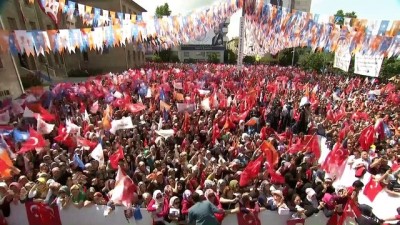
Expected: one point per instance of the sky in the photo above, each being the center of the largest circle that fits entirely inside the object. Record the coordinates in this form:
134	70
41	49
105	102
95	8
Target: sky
366	9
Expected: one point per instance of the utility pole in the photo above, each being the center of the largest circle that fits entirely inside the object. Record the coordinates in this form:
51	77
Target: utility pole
241	38
294	50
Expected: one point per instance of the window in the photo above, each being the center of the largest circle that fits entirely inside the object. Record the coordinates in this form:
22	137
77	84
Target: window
186	54
85	56
124	9
32	25
129	55
12	23
200	54
1	64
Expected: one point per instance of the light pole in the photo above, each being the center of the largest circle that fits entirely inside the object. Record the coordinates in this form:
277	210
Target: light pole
294	50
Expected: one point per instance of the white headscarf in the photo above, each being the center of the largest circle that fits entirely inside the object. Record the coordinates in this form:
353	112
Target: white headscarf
186	194
171	201
158	201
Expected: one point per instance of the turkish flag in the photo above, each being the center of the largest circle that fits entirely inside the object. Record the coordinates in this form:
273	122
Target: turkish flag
86	143
35	140
366	138
251	171
270	153
135	108
372	189
248	218
41	214
334	162
114	158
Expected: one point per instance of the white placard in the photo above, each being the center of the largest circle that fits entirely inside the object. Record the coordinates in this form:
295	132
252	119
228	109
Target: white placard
342	61
368	65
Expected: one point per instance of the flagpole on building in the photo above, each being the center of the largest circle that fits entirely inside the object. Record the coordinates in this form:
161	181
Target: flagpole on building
13	60
241	38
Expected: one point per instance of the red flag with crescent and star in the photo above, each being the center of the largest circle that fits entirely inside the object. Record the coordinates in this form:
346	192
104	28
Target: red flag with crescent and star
248	218
41	214
35	140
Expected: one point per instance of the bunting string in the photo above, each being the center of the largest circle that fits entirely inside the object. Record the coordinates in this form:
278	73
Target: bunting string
270	29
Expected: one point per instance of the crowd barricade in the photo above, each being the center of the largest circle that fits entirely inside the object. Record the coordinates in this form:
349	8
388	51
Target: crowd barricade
94	215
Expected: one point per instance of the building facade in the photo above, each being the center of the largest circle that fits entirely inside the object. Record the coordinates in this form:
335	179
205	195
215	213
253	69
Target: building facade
21	15
212	43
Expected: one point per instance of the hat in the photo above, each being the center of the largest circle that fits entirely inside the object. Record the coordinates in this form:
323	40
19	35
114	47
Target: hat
199	192
64	189
278	192
41	180
50	181
233	183
75	187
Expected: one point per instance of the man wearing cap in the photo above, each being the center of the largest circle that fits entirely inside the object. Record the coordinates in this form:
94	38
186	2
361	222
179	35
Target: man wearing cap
202	213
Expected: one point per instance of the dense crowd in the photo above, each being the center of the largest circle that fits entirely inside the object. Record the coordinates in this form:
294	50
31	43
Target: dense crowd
199	134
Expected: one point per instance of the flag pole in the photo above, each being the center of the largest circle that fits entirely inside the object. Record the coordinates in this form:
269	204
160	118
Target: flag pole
241	38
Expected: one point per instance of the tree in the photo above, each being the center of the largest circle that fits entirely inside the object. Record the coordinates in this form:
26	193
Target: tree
390	68
213	58
315	61
163	10
232	57
249	59
340	15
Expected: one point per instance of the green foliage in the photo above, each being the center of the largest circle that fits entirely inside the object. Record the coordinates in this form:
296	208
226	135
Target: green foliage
315	61
249	59
232	57
174	59
268	60
213	58
156	58
390	68
340	15
84	73
31	80
285	57
163	10
165	55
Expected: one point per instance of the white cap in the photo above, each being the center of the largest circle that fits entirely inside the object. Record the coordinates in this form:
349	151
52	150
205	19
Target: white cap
200	192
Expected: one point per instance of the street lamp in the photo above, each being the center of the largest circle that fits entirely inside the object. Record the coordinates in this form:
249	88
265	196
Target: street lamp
294	50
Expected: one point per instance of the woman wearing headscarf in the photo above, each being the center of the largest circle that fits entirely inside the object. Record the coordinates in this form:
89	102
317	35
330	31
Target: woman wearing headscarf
213	198
159	207
187	202
175	214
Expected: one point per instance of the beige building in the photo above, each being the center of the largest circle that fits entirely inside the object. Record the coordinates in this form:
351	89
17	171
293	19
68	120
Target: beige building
20	15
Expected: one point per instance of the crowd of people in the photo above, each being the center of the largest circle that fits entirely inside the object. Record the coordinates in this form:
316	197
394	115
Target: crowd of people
198	132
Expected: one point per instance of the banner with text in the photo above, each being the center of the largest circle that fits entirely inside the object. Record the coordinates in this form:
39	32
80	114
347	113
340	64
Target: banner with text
342	61
367	65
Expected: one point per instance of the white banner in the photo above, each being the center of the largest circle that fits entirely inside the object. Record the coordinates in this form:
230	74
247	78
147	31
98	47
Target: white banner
342	61
241	43
124	123
368	65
